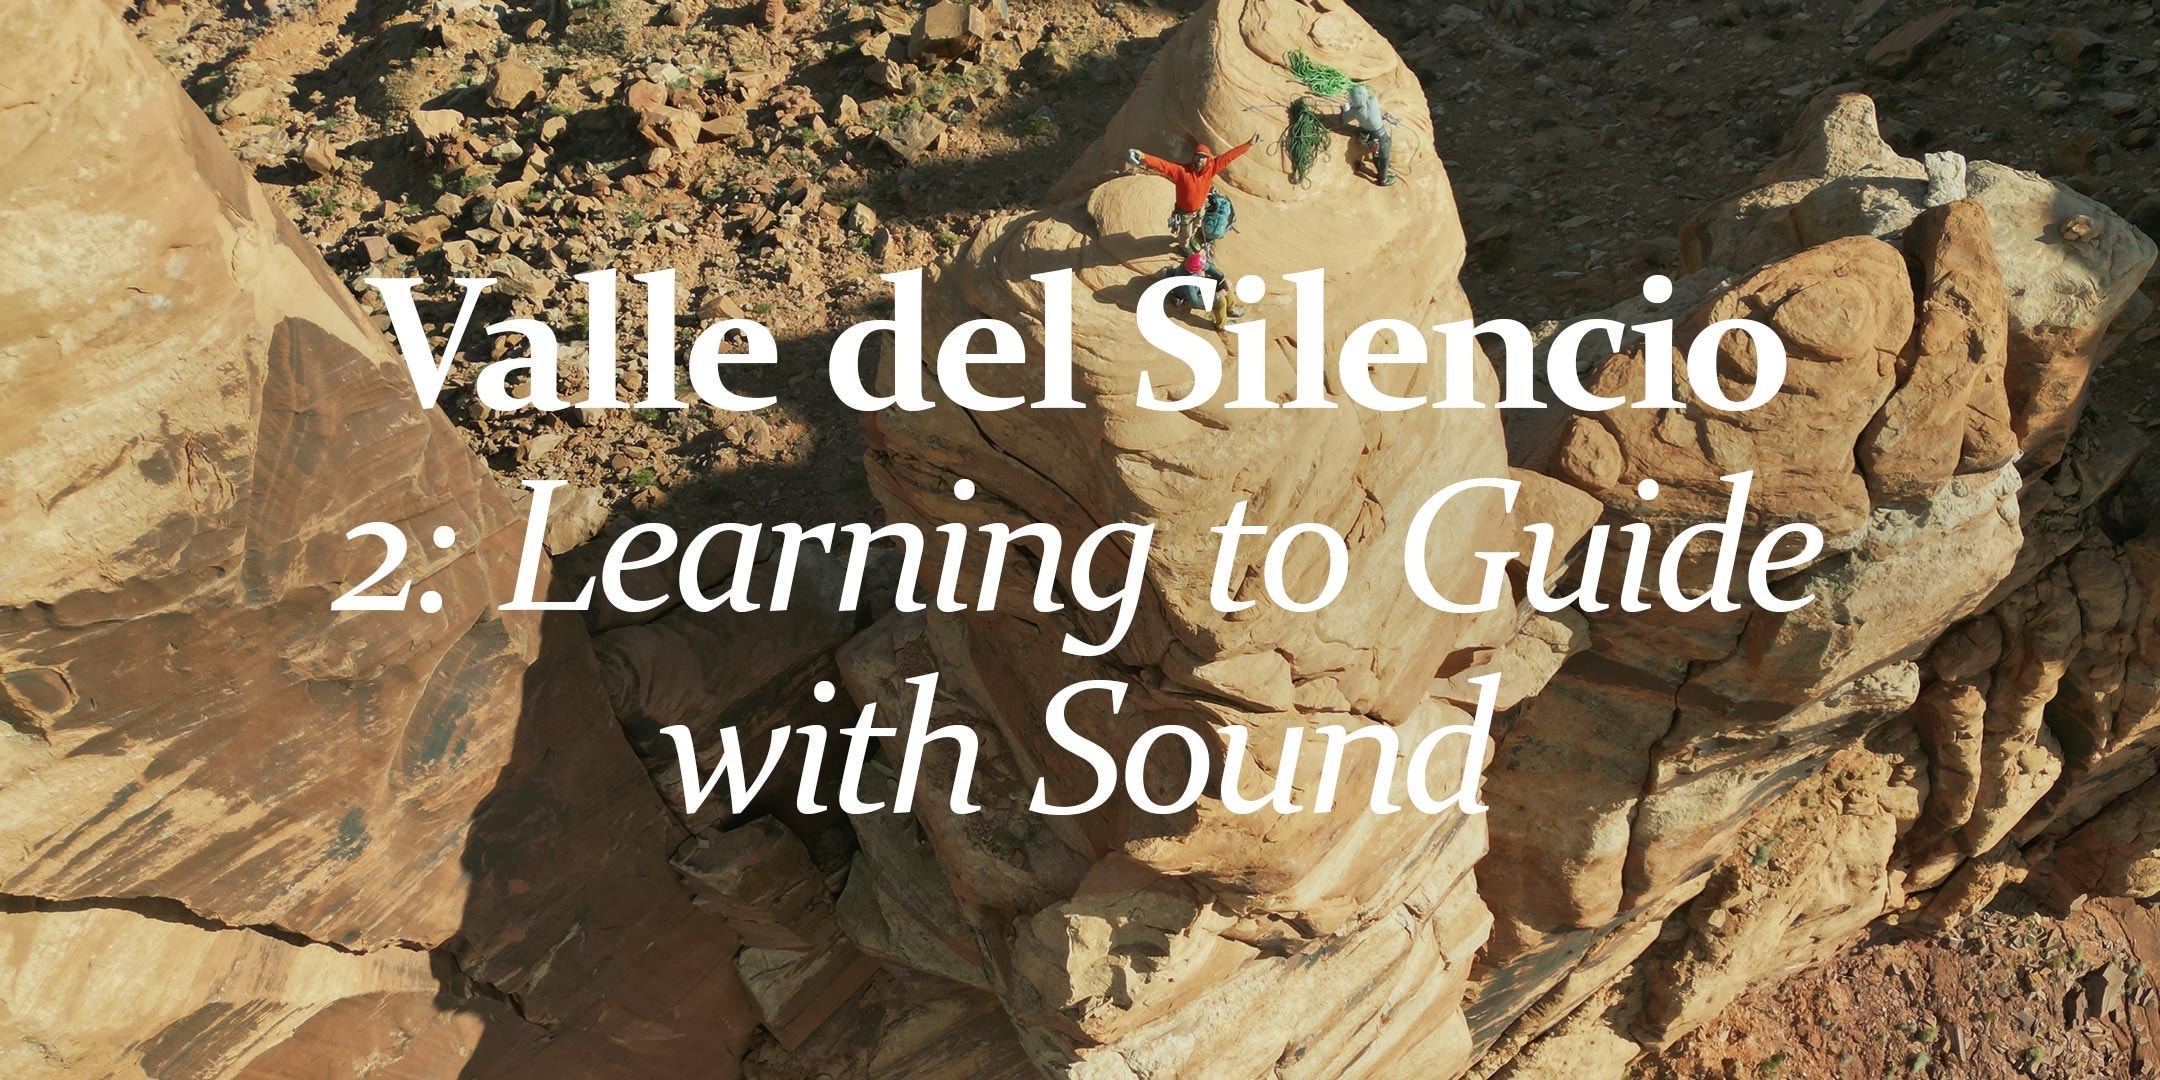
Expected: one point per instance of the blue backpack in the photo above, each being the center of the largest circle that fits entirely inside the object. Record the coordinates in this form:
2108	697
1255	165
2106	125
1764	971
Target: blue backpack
1218	217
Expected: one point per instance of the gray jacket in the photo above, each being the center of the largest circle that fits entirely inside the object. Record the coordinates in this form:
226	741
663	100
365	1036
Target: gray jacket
1363	111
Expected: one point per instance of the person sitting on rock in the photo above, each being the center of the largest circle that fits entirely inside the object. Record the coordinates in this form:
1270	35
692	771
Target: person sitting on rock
1192	183
1202	264
1370	123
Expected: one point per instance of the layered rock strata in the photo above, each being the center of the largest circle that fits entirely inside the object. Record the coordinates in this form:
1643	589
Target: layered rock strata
319	839
438	844
1210	944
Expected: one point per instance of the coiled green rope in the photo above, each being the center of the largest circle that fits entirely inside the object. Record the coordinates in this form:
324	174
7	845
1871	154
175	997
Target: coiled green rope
1304	141
1318	77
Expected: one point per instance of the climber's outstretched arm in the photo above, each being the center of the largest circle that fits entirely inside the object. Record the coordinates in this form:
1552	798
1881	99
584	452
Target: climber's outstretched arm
1150	161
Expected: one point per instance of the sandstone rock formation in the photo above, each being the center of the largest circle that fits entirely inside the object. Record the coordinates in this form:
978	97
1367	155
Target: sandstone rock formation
1700	802
437	845
409	839
1209	944
2062	290
1696	802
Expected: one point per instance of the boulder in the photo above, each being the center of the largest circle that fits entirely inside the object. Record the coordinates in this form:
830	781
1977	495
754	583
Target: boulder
319	156
668	128
514	85
645	94
575	515
432	126
949	28
912	136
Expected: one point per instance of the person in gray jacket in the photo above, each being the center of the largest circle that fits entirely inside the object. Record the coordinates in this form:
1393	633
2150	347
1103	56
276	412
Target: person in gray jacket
1369	122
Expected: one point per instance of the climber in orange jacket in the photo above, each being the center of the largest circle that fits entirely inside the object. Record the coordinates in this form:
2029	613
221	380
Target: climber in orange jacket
1192	183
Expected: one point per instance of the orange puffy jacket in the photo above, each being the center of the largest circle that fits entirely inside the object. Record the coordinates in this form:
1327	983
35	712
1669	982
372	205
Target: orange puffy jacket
1193	184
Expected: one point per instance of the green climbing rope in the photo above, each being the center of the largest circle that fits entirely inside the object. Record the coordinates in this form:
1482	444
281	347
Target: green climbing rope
1304	141
1318	77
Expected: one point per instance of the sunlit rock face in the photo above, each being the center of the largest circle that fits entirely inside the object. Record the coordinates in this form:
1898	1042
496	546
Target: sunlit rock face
316	836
